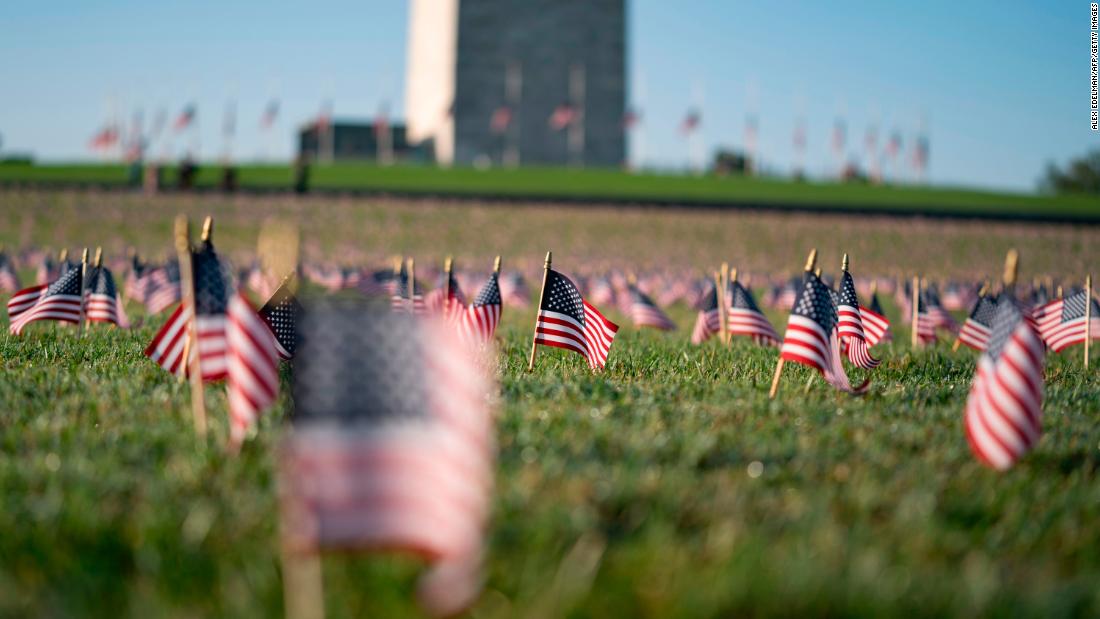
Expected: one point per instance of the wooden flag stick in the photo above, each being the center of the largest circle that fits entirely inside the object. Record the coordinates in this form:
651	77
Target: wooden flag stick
496	265
303	583
811	260
726	337
542	291
83	284
914	340
191	352
410	268
1012	259
448	264
720	294
732	278
1088	316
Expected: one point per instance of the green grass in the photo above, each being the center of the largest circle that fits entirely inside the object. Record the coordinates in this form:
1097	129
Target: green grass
668	485
862	506
561	183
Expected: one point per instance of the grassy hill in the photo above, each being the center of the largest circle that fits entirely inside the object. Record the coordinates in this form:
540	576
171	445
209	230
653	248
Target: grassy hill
602	185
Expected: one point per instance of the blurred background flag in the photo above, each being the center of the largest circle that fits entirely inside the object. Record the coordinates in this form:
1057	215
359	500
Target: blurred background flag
645	313
1005	403
186	117
745	318
252	367
391	447
978	326
479	322
709	320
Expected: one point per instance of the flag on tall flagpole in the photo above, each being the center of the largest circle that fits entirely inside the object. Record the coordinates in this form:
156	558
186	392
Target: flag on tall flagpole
186	117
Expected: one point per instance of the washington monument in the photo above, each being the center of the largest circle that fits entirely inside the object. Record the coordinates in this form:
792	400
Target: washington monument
517	82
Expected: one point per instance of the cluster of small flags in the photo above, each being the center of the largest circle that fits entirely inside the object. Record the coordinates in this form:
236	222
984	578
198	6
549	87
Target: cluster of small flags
391	445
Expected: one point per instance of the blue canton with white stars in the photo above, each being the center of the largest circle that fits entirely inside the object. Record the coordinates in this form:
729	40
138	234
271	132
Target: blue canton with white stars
563	297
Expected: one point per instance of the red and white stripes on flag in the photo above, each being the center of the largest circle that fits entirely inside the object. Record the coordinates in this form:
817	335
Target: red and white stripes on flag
592	338
1004	408
61	301
479	321
252	367
567	321
102	308
166	348
24	300
812	338
850	325
1061	322
391	448
875	325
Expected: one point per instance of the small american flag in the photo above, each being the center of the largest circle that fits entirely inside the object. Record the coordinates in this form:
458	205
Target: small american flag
138	283
281	313
1005	403
875	325
252	367
9	280
941	318
163	288
709	320
926	324
1062	321
101	301
400	302
450	308
746	319
391	448
479	321
850	325
645	313
211	303
976	330
567	321
514	291
60	301
812	338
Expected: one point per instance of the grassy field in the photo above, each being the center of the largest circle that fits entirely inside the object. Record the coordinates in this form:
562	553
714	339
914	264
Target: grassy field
668	485
561	183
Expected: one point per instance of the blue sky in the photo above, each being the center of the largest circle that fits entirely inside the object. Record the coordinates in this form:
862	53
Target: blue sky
1001	87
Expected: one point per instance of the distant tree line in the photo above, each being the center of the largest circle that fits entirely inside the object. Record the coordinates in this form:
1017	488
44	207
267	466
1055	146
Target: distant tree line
1081	175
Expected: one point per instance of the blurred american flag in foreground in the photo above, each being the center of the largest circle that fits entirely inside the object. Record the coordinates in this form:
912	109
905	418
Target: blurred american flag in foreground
391	447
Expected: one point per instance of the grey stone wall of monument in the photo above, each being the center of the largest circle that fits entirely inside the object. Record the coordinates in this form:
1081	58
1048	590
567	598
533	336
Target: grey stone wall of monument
549	41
